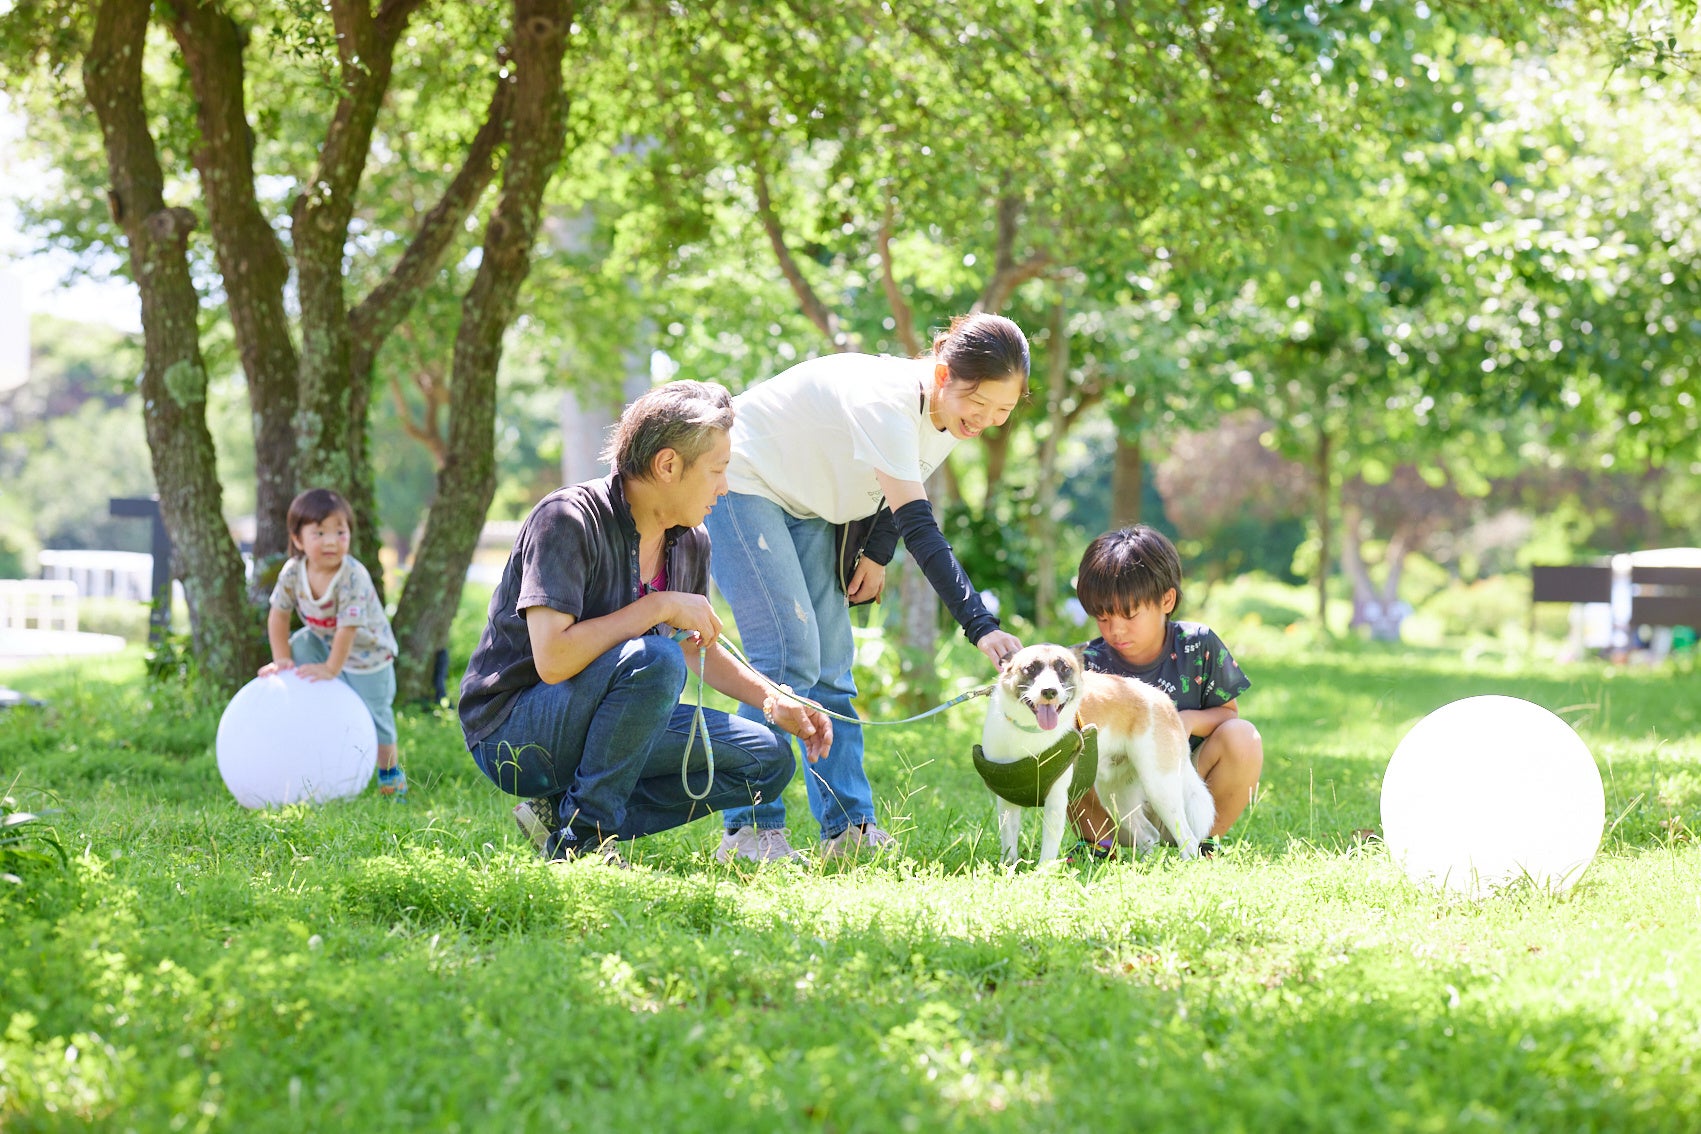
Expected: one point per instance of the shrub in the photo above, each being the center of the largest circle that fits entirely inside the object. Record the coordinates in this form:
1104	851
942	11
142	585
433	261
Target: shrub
27	841
1487	606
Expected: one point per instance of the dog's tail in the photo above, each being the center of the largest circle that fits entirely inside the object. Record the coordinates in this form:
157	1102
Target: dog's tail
1200	807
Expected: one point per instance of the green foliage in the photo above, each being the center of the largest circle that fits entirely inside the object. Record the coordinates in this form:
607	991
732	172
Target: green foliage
1450	242
997	554
1495	607
73	439
28	841
1248	600
125	618
18	541
66	470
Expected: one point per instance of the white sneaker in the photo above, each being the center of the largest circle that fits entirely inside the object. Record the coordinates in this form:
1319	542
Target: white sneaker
766	845
854	839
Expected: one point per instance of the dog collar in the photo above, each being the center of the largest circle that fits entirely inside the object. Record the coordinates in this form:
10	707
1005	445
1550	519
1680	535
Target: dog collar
1018	725
1026	782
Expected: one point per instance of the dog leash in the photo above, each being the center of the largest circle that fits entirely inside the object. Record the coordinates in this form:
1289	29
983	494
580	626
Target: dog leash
699	724
788	692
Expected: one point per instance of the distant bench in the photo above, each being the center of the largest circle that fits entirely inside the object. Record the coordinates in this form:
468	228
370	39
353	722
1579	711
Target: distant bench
1659	596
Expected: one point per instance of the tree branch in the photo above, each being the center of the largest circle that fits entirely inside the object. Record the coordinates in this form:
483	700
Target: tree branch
325	419
425	432
1007	273
372	321
816	311
393	16
376	316
468	478
1089	394
902	315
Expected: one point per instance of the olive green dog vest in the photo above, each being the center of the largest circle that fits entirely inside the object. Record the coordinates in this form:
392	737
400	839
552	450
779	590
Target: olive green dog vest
1025	782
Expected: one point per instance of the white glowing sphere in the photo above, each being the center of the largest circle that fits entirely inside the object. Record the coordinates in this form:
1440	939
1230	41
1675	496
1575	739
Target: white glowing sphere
1490	790
285	739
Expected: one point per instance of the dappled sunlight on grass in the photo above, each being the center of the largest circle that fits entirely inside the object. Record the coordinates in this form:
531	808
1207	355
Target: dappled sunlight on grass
368	965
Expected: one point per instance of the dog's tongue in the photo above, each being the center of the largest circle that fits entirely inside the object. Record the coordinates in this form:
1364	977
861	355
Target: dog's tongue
1046	715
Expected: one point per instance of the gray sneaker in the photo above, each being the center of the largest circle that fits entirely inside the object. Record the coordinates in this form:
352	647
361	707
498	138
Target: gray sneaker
766	845
854	840
537	821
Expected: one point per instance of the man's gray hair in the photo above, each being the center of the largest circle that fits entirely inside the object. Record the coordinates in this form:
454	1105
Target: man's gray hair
683	416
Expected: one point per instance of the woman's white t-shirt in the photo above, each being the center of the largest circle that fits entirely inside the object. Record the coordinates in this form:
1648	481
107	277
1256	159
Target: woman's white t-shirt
811	437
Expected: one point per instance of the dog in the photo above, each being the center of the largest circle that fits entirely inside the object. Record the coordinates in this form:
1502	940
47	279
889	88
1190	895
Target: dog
1145	771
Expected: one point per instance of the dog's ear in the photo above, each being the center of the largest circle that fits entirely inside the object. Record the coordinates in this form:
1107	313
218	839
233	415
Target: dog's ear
1080	654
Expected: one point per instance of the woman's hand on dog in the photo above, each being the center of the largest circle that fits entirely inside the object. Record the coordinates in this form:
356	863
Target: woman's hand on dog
999	645
808	725
868	581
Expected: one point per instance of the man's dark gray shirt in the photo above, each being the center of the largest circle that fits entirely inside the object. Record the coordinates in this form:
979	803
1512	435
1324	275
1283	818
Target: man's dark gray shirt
577	553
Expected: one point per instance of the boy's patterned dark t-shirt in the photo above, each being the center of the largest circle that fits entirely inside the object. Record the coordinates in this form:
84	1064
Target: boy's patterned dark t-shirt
1195	668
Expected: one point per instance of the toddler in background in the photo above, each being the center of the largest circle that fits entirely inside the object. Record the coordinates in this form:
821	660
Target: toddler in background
345	633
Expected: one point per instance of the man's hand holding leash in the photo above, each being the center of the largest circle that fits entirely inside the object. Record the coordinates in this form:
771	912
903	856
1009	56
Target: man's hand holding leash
803	722
692	614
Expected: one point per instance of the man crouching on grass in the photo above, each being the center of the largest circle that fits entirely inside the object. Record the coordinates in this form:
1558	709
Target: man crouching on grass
571	699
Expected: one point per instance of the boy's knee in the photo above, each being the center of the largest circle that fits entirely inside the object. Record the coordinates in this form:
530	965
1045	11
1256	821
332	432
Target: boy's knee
1243	746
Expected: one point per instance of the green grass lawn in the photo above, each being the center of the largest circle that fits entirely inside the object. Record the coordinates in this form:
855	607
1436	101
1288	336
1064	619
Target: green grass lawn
367	966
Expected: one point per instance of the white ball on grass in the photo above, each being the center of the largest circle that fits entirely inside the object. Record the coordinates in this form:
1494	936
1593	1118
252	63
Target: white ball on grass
1489	790
284	739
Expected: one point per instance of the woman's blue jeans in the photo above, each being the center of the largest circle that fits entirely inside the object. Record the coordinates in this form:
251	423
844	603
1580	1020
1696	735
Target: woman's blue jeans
606	745
778	575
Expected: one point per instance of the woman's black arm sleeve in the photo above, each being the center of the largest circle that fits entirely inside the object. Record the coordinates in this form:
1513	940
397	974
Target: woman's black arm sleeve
883	539
927	546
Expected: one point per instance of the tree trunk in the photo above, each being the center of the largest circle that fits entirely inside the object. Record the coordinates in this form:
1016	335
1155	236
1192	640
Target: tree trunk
223	628
1127	479
251	260
1042	521
917	615
468	478
995	443
1376	607
1324	480
1353	564
362	490
319	229
1392	611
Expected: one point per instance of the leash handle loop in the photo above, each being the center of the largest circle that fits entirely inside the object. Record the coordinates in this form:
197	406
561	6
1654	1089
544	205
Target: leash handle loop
698	724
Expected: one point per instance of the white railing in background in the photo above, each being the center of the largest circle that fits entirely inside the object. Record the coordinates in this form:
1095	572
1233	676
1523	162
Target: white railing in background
38	604
103	574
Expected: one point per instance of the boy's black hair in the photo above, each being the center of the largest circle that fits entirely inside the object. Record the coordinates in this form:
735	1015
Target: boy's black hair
1128	568
314	506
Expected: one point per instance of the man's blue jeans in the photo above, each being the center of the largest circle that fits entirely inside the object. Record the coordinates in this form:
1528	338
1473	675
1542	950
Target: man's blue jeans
606	746
778	575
